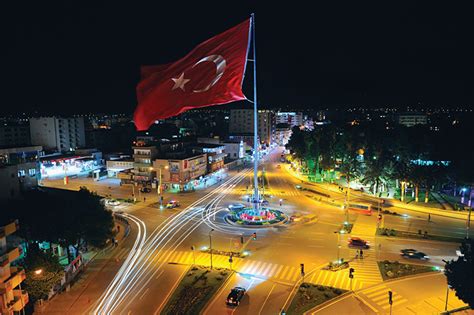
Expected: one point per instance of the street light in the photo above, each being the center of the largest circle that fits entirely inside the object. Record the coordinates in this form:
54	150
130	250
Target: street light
210	244
158	189
463	193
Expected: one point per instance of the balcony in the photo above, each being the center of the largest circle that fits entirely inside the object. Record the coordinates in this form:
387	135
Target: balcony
17	276
10	255
20	300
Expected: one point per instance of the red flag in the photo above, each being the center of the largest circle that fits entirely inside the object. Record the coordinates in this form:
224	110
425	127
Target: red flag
211	74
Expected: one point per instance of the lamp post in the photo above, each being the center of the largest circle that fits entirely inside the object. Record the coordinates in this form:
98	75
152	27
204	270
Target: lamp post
447	296
463	193
210	244
159	190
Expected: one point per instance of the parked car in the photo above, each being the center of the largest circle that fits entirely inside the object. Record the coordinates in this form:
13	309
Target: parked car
265	202
413	254
298	186
235	296
172	204
145	190
357	242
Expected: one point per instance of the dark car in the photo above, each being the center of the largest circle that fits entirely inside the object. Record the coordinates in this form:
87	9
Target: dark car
235	296
413	254
358	243
265	202
145	190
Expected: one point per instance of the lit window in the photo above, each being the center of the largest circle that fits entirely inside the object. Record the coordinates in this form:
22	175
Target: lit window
32	172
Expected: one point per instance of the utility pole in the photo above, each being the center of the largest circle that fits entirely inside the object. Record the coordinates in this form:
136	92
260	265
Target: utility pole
210	245
193	248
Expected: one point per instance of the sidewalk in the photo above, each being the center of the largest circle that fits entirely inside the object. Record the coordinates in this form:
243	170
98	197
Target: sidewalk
80	297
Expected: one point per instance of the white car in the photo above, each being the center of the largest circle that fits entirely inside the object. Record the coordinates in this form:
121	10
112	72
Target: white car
112	202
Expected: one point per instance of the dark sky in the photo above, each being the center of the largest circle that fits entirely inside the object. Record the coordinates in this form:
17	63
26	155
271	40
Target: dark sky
69	57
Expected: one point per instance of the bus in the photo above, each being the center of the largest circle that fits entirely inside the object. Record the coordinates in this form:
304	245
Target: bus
364	208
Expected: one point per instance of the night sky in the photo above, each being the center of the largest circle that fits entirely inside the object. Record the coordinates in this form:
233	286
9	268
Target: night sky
67	57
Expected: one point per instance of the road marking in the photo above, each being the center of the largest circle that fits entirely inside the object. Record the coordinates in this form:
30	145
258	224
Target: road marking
277	272
272	270
259	271
284	272
141	297
265	272
255	267
266	299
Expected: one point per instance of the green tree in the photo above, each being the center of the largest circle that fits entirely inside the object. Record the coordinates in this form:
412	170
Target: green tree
460	273
379	170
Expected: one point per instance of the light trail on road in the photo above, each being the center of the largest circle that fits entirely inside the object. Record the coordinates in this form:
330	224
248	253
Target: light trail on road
135	273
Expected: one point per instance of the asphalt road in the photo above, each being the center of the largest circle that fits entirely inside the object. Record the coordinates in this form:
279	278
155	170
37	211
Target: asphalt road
271	270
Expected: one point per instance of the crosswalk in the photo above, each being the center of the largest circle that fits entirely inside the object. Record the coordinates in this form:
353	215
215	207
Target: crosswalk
378	297
366	273
366	270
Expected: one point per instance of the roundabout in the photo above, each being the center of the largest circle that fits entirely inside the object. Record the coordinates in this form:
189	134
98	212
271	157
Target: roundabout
242	216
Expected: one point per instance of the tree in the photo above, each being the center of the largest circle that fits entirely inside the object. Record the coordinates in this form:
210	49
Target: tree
379	169
460	273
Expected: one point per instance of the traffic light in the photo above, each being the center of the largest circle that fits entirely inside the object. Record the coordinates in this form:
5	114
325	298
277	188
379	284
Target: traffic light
302	268
254	236
390	297
351	273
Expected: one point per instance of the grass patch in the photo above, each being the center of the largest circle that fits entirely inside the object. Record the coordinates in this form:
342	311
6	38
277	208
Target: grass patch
420	235
311	295
195	289
395	269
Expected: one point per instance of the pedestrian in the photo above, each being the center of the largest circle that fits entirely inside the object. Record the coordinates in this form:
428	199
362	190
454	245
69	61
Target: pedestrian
115	242
429	217
144	199
361	254
357	254
118	228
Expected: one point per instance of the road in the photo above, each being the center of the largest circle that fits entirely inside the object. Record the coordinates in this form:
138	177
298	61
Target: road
272	269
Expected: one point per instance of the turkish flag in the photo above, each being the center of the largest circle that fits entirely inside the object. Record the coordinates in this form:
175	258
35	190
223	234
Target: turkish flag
211	74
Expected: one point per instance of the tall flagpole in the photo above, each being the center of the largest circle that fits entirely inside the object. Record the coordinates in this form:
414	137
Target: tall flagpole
255	119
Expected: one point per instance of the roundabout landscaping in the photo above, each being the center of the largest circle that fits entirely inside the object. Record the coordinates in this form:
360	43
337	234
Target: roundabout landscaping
249	217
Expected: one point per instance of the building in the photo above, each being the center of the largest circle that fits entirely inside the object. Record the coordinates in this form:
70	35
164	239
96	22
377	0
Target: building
241	124
14	135
282	133
143	156
183	172
60	134
115	166
412	119
290	118
12	298
234	149
19	170
215	155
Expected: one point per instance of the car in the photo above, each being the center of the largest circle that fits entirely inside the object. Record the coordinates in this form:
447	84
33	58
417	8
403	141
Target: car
357	242
172	204
112	202
413	254
235	296
265	202
145	190
298	187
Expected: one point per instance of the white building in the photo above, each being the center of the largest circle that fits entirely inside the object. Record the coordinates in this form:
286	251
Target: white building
234	149
290	118
410	120
61	134
241	123
282	133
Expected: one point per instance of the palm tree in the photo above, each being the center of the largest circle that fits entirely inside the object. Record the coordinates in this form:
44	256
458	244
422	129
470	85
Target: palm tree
378	173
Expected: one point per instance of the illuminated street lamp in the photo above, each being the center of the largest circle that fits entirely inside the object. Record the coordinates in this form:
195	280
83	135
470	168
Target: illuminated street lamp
38	272
463	193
